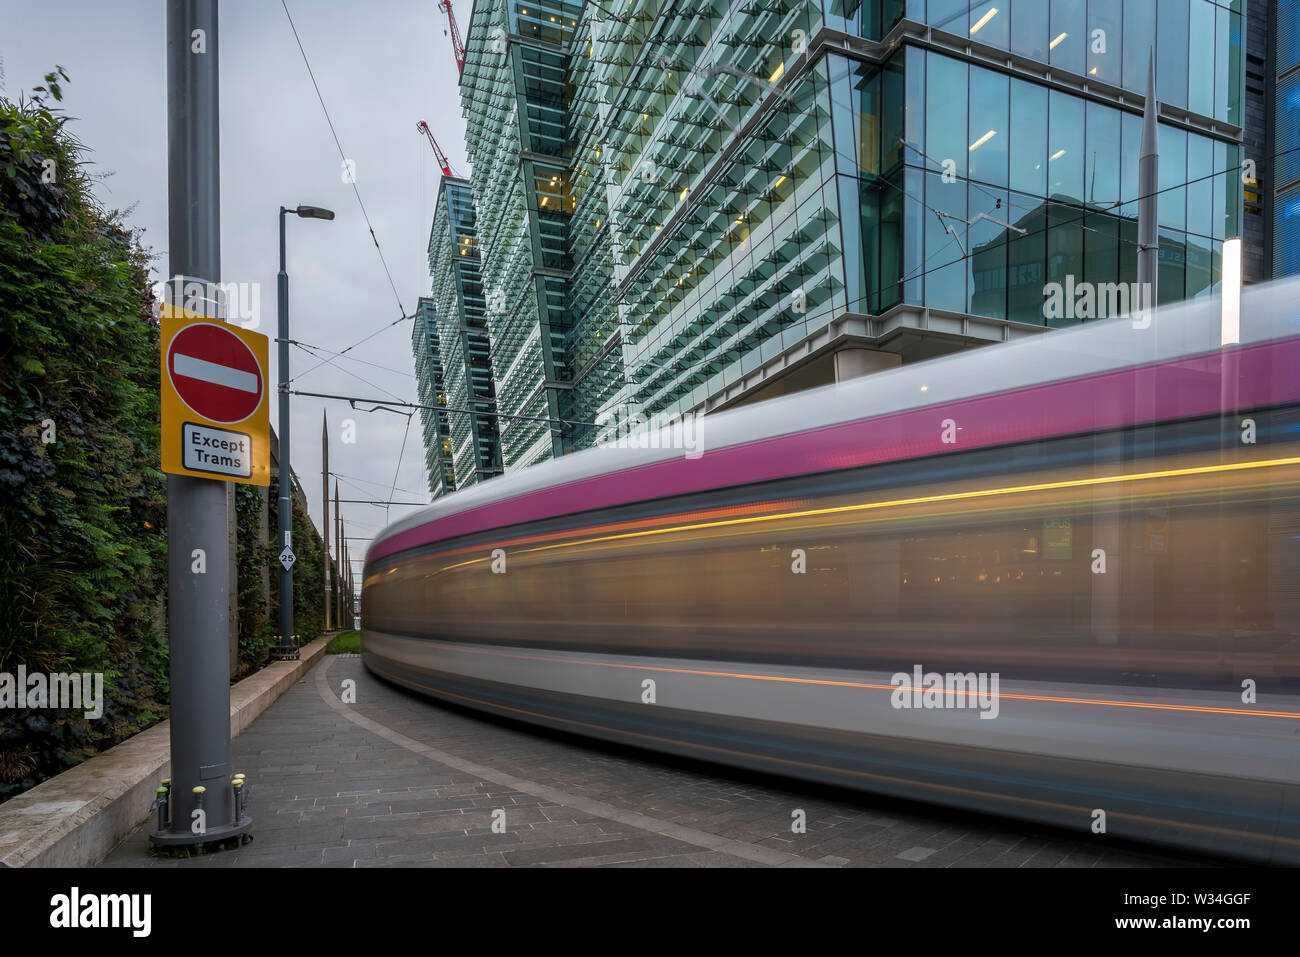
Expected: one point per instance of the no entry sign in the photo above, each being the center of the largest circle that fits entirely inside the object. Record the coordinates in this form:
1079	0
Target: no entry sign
215	373
215	413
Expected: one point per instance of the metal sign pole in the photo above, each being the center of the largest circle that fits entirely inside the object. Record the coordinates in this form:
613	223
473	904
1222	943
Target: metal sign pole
202	803
325	525
285	648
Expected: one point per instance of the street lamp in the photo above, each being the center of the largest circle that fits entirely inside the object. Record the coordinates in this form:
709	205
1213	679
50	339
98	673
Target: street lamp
285	647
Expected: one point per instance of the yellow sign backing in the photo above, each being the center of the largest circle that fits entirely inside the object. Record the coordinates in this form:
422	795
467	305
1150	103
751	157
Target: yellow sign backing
215	399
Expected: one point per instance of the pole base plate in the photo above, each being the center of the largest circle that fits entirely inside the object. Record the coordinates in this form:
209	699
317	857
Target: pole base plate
231	834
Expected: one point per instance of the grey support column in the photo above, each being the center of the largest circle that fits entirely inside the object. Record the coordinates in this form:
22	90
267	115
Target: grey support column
198	600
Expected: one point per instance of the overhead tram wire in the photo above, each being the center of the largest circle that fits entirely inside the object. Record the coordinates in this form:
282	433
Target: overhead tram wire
336	366
385	403
313	348
343	156
400	455
357	343
353	480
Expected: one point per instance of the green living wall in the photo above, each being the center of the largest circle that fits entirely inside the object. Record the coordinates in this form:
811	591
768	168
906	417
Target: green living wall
83	506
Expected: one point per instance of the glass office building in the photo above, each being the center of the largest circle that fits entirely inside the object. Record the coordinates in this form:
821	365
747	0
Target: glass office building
1285	199
468	438
427	352
692	205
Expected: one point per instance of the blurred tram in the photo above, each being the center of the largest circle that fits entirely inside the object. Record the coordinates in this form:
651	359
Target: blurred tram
1099	526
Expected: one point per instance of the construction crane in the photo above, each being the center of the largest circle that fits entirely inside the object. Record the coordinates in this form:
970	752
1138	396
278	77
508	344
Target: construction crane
423	127
457	45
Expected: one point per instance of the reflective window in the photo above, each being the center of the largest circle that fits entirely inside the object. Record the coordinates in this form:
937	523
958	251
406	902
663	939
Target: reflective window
1065	146
1227	91
1067	46
893	122
945	271
1029	36
990	22
858	214
1223	184
1101	165
1287	127
987	150
1130	150
1288	36
1105	40
914	217
1101	252
1200	185
1200	262
1171	52
945	113
1028	140
1064	253
1286	235
1171	276
1139	42
1026	255
1233	199
950	15
1202	69
1172	204
914	104
891	249
988	236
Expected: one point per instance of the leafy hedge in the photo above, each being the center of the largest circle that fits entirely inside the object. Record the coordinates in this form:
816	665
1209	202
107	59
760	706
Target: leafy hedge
82	502
83	505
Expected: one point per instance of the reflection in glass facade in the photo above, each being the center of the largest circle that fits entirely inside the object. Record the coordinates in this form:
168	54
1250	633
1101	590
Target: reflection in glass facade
685	202
427	351
457	294
450	343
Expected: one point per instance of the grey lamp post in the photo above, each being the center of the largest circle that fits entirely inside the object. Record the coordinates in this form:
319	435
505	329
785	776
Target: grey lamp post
286	648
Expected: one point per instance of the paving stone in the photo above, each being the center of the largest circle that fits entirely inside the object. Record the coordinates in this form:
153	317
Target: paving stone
915	854
327	792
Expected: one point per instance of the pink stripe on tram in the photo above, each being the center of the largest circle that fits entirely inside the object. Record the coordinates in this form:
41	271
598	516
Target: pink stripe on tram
1265	375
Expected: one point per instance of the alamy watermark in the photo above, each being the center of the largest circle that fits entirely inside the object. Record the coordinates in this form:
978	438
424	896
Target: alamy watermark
1099	300
235	302
931	690
623	428
75	691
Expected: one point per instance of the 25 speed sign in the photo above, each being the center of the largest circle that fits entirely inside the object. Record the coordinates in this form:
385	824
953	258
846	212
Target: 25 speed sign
215	412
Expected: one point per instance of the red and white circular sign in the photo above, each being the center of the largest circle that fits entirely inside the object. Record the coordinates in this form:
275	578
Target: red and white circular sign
215	373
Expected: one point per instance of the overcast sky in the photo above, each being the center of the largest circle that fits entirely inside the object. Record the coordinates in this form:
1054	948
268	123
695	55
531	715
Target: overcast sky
382	65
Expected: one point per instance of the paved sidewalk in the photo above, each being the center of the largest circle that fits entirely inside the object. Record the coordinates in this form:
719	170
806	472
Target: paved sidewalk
399	780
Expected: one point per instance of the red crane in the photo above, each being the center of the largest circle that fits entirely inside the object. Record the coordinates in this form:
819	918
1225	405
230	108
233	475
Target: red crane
457	45
423	127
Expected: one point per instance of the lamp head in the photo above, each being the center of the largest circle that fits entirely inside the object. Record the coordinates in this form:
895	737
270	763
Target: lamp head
314	212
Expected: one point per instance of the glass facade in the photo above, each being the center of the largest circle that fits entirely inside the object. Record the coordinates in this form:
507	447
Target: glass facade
679	200
1024	185
427	351
1286	141
456	324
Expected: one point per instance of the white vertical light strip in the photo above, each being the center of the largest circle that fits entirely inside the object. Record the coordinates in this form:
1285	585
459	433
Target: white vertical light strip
1231	292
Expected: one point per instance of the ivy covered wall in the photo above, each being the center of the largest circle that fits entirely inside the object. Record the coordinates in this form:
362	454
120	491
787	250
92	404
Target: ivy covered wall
83	503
